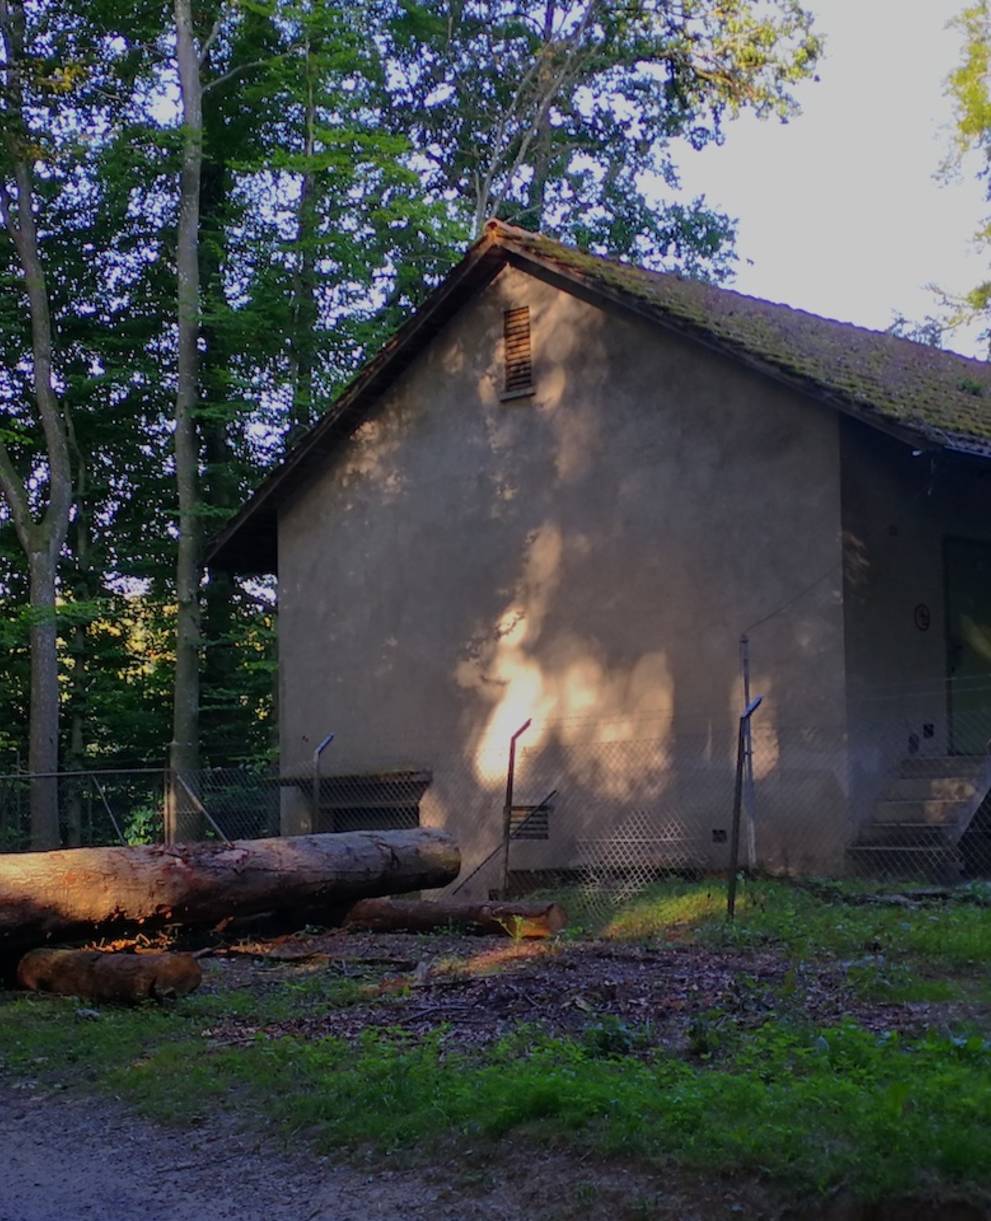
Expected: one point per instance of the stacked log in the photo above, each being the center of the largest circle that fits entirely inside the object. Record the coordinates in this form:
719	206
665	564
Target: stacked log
87	892
97	976
531	920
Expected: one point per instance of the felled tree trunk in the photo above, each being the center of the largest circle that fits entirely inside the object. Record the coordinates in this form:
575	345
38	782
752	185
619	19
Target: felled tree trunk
531	920
88	891
92	975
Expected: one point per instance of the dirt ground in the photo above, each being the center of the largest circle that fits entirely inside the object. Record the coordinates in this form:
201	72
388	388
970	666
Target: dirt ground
77	1158
68	1154
480	988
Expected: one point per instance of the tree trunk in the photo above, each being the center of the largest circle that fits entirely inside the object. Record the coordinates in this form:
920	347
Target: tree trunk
103	891
184	750
304	289
533	217
530	920
41	539
83	591
74	786
44	727
98	976
218	432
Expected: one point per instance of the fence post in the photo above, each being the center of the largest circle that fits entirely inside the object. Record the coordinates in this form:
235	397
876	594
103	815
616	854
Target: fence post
734	847
507	813
169	807
316	780
749	792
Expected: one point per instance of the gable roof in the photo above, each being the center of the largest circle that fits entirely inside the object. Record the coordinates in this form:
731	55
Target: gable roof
929	398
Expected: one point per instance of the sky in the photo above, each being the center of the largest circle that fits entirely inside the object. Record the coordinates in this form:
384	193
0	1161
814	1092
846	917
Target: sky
839	211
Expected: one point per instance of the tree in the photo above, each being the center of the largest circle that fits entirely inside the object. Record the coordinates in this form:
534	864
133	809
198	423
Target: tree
214	278
41	529
564	114
969	88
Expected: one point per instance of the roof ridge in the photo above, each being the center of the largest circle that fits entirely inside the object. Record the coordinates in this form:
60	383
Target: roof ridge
927	397
501	230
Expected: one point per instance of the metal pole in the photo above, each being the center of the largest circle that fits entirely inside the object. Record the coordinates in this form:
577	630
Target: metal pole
498	848
316	778
749	792
170	820
507	813
734	847
110	814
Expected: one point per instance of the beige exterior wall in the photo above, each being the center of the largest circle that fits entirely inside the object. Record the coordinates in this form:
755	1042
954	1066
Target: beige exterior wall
589	558
899	508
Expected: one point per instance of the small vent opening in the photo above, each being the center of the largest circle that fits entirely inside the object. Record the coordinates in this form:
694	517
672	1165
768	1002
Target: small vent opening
530	822
516	336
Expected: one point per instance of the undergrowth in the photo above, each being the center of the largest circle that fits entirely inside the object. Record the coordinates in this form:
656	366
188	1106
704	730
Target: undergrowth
811	1108
772	912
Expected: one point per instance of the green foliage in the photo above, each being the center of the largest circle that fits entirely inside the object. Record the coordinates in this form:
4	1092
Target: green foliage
611	1037
350	148
877	979
969	90
811	1108
969	84
558	117
770	912
144	825
815	1108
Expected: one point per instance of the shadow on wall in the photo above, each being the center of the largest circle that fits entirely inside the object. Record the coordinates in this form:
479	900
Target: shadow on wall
578	558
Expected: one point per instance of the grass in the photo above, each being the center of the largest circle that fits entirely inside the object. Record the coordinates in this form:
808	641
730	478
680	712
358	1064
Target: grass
810	1107
956	934
45	1036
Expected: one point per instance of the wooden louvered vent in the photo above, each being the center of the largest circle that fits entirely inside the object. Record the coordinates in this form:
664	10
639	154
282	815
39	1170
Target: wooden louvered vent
519	366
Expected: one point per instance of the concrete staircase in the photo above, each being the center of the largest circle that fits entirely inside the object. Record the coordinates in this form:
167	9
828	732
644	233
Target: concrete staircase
920	825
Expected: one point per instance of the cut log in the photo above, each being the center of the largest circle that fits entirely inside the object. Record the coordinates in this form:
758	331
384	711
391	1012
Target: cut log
96	976
524	919
89	891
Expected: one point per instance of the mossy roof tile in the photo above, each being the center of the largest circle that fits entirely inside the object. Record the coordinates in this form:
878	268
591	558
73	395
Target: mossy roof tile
927	396
943	397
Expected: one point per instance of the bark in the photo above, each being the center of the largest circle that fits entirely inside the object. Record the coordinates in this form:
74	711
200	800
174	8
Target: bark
106	891
184	750
97	976
304	298
218	729
41	535
79	544
536	195
530	920
44	726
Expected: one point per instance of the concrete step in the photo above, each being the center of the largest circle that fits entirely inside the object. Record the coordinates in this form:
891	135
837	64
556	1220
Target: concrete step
946	766
921	835
933	788
938	812
944	865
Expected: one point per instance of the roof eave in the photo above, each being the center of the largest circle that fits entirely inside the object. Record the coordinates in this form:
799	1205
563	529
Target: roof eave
248	542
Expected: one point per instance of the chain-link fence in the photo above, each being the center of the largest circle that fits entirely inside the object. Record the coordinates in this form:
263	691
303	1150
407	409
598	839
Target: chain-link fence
895	791
897	795
95	808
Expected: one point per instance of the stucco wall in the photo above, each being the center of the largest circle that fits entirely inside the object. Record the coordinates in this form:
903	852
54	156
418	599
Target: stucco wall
589	558
899	507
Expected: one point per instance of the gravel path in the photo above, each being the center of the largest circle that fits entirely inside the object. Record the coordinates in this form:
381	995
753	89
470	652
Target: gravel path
88	1159
68	1157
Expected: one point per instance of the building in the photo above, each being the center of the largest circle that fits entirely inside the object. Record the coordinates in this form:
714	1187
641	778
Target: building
564	491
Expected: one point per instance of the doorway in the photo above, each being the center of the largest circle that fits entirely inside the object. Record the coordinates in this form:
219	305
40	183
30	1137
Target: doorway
967	568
